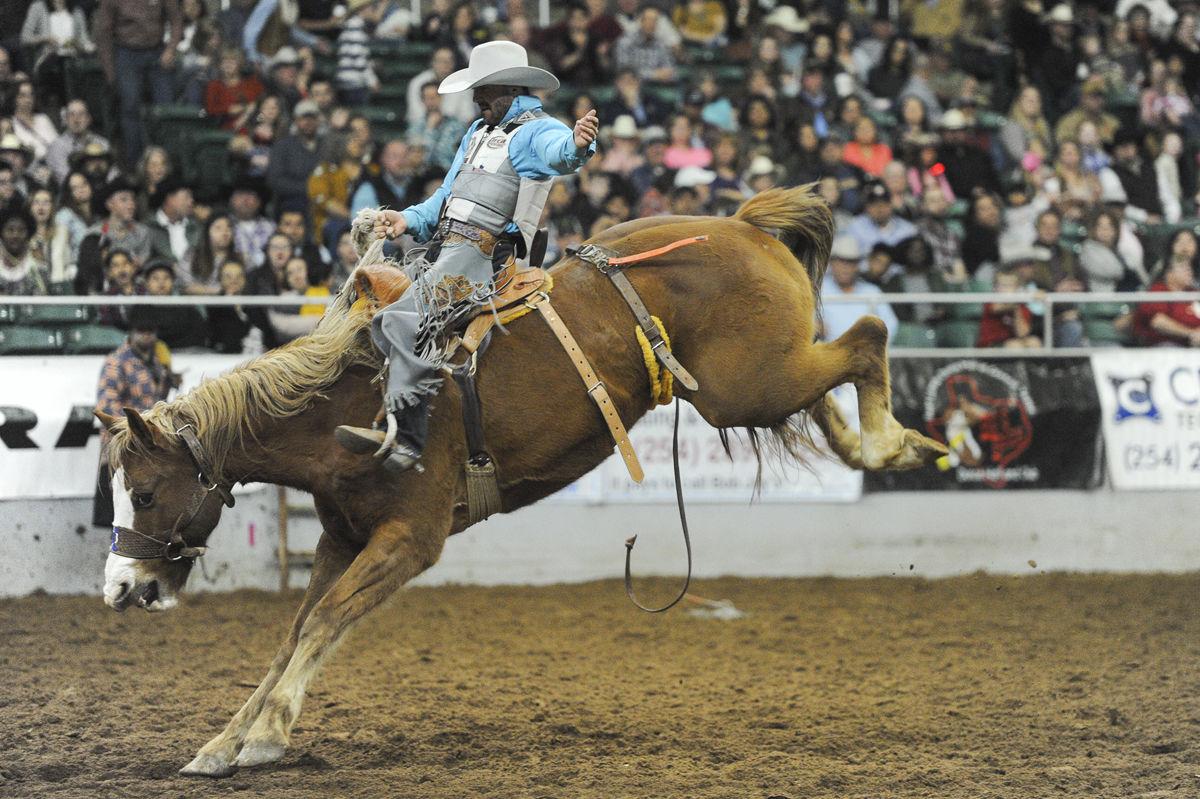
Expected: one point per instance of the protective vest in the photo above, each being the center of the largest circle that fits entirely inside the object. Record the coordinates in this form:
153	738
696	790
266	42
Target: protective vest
487	191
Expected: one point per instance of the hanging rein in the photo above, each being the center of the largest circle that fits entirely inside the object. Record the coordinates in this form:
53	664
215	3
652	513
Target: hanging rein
130	543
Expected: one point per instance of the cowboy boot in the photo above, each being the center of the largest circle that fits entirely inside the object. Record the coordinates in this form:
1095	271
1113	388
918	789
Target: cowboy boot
399	457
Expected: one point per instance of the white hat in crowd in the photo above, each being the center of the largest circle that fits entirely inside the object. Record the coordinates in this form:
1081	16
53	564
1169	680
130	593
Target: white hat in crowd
845	248
786	18
624	127
691	176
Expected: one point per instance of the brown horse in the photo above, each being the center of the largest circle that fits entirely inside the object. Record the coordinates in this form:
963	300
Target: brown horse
739	309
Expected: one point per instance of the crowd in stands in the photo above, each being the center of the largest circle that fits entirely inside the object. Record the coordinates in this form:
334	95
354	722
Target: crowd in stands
1006	146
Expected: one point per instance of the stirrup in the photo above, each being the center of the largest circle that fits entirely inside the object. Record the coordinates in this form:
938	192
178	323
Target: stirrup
401	459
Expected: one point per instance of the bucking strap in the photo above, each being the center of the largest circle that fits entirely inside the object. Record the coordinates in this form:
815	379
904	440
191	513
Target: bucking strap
595	388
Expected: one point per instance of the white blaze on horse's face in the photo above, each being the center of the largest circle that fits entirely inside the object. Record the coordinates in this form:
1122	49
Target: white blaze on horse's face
128	581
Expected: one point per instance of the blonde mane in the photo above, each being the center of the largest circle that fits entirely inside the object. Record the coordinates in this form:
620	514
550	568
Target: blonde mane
279	384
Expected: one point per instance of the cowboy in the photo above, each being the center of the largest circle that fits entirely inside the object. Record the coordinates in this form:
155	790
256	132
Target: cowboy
486	210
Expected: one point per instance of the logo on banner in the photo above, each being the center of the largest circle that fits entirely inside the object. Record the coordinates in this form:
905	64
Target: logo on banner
1134	398
984	415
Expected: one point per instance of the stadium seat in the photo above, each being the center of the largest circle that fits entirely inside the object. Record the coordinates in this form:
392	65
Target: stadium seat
169	126
957	333
21	340
1102	310
62	288
85	81
8	315
1103	333
668	93
86	339
913	335
209	169
52	314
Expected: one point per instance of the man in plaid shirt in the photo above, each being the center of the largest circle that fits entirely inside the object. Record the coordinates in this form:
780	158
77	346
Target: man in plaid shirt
135	375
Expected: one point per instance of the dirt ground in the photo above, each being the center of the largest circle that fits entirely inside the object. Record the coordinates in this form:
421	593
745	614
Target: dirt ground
982	686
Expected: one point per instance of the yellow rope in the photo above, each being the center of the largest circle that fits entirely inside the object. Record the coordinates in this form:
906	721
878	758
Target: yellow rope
661	381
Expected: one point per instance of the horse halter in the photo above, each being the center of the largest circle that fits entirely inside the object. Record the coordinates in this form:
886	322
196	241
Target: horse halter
130	543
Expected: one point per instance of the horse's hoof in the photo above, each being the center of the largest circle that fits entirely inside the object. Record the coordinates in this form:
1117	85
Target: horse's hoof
207	766
258	753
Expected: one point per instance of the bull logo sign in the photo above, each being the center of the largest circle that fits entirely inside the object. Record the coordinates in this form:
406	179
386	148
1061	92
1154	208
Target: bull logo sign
1134	398
984	415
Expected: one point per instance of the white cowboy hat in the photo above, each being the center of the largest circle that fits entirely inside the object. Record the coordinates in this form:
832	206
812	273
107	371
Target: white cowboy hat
1061	14
498	64
624	127
693	176
785	17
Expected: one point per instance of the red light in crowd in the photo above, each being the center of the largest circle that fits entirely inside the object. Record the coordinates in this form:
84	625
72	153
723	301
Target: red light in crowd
937	170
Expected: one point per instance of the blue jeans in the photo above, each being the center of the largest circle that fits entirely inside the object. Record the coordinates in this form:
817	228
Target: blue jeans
135	69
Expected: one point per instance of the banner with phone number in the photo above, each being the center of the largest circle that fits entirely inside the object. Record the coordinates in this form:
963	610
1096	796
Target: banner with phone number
1151	405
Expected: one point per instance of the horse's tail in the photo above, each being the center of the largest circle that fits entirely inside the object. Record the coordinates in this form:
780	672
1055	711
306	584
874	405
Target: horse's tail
805	225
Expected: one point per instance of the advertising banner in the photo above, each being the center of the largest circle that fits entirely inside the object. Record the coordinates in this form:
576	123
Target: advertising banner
50	444
1033	423
49	440
1151	405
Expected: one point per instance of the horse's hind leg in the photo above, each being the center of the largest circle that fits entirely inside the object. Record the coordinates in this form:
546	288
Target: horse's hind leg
333	556
843	439
396	553
886	444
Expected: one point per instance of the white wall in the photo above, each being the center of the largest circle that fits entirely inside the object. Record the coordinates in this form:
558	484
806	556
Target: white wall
51	546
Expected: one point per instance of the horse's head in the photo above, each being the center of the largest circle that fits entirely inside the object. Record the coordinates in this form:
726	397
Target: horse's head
165	505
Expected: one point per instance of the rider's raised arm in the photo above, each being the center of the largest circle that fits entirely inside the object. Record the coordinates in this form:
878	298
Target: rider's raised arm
422	218
546	148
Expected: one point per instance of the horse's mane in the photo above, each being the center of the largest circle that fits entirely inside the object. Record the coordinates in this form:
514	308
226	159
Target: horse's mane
280	383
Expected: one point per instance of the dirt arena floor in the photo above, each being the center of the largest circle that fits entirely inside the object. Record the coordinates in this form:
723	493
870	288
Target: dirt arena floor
982	686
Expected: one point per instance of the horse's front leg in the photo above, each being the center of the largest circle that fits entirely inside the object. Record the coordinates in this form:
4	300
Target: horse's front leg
215	758
397	552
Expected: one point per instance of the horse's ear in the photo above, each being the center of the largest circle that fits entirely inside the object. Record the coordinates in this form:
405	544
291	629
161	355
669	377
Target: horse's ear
108	420
142	431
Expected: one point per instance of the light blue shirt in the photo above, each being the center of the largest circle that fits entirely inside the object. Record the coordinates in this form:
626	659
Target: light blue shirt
541	148
840	317
868	234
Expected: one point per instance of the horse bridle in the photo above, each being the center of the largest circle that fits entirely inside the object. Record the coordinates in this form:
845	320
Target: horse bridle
130	543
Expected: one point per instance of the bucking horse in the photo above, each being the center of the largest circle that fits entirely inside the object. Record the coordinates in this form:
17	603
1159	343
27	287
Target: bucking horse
739	303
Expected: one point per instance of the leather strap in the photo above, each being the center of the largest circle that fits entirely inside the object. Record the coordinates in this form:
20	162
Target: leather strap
472	412
657	345
595	388
200	458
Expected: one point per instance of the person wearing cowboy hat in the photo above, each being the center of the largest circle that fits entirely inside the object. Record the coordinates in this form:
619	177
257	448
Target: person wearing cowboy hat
118	230
486	210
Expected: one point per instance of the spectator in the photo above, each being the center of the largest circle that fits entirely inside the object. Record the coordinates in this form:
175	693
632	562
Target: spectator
1026	133
117	230
120	280
35	130
1105	268
229	325
878	223
644	51
136	42
74	139
268	123
623	155
1076	188
759	129
231	96
1090	109
685	148
179	326
283	76
136	375
232	21
866	151
394	186
291	324
1169	177
329	188
629	17
54	32
153	168
981	239
293	225
294	158
803	162
214	248
762	174
1170	323
198	51
174	231
95	161
21	273
1137	177
850	179
889	78
10	195
356	80
1007	324
250	228
843	277
1052	49
1064	272
575	55
630	100
345	260
700	22
944	243
442	134
464	32
455	106
1112	195
41	211
644	177
74	217
967	166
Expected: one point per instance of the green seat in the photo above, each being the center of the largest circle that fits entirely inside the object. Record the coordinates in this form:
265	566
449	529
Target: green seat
170	126
209	169
22	340
87	339
913	335
601	94
52	314
382	115
957	333
966	311
1102	310
732	74
1103	333
85	81
63	288
8	315
668	93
